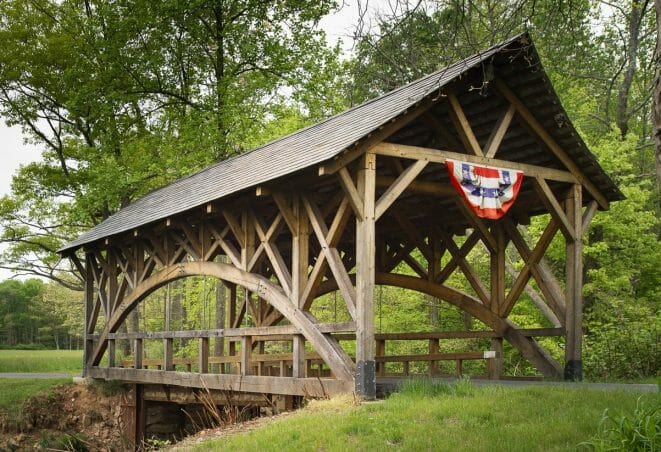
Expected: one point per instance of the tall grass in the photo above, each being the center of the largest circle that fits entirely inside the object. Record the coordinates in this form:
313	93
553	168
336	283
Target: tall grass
44	361
432	416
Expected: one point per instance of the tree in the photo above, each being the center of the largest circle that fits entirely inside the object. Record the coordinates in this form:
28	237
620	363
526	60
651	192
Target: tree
656	112
128	96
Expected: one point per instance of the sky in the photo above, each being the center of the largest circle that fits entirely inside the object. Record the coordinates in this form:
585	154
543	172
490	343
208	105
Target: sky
14	152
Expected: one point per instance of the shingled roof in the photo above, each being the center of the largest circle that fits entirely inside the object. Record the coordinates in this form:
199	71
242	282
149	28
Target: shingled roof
312	146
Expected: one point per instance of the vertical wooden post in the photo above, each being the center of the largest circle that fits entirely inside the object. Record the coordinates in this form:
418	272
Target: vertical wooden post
231	318
204	355
168	354
111	352
137	356
495	365
381	351
113	286
298	357
139	417
574	287
498	269
300	264
246	349
365	262
433	350
89	309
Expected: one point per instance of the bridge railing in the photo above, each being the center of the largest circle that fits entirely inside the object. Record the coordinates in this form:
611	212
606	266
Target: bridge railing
247	351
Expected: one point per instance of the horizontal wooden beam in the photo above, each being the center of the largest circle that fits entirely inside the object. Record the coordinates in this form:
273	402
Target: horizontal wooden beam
440	156
314	387
233	332
475	334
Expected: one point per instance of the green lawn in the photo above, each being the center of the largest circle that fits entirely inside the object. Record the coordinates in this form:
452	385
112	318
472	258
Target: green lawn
15	390
459	418
45	361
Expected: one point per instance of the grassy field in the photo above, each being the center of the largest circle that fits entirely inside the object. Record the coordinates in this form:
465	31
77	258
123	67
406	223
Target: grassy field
447	418
44	361
15	390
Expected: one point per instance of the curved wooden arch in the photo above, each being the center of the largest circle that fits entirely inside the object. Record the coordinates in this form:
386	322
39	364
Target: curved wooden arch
529	349
339	363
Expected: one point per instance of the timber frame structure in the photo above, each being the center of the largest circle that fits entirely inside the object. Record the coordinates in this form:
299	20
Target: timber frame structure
344	205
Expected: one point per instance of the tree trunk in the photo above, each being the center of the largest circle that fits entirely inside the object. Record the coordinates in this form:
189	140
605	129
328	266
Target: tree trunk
656	110
635	21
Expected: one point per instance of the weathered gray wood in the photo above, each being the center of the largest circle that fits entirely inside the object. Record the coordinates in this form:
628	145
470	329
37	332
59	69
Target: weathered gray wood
573	288
339	363
555	209
497	258
138	354
168	354
462	126
332	256
346	181
365	272
246	351
203	355
498	133
314	387
440	156
398	187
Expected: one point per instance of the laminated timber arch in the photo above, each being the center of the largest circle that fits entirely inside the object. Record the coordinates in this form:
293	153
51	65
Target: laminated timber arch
346	203
339	363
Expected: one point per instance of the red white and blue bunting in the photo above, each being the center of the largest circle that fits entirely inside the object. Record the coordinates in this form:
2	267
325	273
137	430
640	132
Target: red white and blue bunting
489	191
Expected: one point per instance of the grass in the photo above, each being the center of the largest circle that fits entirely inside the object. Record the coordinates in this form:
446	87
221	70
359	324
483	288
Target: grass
43	361
443	417
16	390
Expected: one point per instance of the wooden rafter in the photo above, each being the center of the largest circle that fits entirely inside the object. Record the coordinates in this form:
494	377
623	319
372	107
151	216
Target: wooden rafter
555	209
557	150
498	133
398	187
462	126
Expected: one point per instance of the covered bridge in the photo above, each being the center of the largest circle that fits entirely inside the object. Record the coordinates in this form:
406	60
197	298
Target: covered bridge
362	199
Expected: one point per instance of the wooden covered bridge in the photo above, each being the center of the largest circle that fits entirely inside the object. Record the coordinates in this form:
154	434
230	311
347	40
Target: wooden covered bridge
360	200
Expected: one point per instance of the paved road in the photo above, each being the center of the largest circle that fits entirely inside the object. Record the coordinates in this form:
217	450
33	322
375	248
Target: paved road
34	376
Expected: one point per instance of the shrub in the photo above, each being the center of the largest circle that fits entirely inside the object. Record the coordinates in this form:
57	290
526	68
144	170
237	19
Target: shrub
639	432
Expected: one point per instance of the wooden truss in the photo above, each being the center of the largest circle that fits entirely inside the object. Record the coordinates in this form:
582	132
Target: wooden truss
380	207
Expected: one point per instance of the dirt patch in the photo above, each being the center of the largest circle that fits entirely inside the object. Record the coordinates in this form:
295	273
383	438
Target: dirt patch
67	417
227	430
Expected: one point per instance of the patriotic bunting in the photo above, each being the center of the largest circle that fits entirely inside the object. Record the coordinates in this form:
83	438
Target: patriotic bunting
490	192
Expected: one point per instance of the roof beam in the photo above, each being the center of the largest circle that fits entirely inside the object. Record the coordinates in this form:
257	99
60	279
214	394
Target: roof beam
440	156
548	140
462	126
379	135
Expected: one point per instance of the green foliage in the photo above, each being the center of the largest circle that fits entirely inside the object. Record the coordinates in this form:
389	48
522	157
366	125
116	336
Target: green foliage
485	419
73	442
639	431
126	97
34	315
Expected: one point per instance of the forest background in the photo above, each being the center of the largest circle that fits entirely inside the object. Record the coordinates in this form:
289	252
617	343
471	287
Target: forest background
125	96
